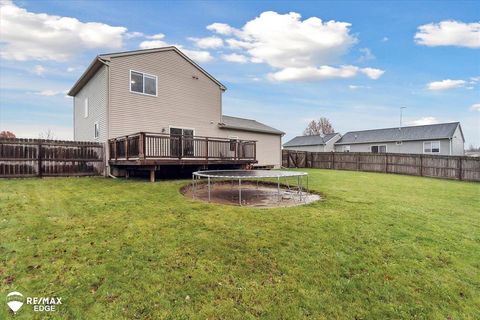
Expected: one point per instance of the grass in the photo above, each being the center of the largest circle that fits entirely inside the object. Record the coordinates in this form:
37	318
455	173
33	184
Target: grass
379	247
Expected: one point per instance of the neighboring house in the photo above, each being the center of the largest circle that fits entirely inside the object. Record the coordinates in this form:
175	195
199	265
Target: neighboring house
163	92
441	139
314	143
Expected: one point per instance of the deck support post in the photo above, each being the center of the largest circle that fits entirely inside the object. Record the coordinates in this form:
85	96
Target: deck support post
152	175
127	174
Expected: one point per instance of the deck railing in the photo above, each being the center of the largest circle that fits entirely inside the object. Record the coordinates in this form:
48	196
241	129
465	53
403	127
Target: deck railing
144	145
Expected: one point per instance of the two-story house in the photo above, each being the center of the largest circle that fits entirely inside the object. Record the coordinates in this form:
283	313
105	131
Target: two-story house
158	107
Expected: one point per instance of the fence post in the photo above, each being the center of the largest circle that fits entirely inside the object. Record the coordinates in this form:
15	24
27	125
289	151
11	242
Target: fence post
421	165
460	168
386	162
206	148
126	147
333	161
358	161
39	159
288	158
141	146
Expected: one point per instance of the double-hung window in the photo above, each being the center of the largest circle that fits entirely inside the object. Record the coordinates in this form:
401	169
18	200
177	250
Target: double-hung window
143	83
378	149
431	147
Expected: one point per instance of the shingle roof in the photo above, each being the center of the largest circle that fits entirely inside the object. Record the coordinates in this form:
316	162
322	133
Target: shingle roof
309	140
425	132
229	122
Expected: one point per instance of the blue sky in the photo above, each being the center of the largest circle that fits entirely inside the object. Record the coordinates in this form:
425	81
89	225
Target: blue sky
284	63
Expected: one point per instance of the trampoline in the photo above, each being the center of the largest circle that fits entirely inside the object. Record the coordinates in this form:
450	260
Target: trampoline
300	188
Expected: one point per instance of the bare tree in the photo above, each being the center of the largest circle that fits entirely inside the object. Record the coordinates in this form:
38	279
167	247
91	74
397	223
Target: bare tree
322	126
47	135
7	135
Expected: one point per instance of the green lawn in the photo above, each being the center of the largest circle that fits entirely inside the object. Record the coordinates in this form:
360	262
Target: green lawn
379	247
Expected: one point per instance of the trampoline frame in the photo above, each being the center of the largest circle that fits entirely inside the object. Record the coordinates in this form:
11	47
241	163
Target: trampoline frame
258	174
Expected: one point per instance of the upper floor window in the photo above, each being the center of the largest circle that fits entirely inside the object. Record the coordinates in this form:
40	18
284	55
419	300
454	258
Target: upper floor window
431	147
379	149
85	110
143	83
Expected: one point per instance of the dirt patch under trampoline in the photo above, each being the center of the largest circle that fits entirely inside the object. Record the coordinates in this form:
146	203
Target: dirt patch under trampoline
263	194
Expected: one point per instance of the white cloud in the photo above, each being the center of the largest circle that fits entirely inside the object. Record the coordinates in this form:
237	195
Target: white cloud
285	41
234	57
372	73
50	93
134	34
150	44
71	69
199	56
322	73
423	121
445	84
39	36
39	70
385	39
366	55
449	33
220	28
157	36
475	107
356	87
207	42
298	49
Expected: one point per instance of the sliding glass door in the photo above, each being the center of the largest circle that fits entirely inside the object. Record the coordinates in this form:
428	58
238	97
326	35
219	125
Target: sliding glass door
181	143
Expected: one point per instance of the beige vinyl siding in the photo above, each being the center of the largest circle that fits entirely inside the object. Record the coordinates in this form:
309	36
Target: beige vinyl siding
185	96
96	92
269	150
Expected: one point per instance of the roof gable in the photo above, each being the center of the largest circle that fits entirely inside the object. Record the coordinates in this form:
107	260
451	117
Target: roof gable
312	140
104	58
424	132
229	122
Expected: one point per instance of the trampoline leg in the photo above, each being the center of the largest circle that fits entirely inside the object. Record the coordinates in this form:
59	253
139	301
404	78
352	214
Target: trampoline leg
300	187
240	191
278	189
208	189
193	186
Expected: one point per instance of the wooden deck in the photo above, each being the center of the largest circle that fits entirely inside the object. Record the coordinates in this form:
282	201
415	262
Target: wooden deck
147	151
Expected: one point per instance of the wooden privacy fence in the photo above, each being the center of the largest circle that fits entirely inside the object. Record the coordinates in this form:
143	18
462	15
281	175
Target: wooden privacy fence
39	158
450	167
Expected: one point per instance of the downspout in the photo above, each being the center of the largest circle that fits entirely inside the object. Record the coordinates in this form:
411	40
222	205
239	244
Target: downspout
450	146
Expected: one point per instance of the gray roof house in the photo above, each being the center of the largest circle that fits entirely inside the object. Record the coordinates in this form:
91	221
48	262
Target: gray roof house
314	143
441	139
170	111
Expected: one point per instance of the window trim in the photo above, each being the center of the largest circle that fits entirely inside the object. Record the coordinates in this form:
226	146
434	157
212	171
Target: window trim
346	148
86	108
143	75
96	127
378	147
431	152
